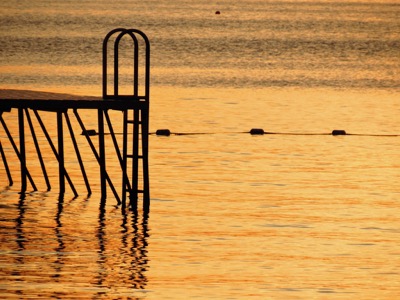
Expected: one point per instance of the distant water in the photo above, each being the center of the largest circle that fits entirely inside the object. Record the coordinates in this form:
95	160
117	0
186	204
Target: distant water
257	44
295	215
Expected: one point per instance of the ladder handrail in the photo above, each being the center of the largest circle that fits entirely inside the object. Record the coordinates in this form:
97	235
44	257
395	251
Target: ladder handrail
121	33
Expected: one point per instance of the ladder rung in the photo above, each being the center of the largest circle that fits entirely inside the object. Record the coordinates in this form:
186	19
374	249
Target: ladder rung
132	156
139	191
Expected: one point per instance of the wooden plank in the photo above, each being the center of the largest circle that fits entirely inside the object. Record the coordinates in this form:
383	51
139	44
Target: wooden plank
63	104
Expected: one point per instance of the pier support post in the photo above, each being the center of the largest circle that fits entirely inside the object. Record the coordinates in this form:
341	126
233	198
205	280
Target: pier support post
39	153
78	154
22	153
145	153
102	154
61	167
3	157
24	170
125	179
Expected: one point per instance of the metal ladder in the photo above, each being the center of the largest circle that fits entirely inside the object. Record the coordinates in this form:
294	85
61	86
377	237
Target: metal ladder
134	157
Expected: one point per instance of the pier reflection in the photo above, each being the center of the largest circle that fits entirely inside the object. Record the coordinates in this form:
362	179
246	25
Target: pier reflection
122	256
105	248
137	249
20	240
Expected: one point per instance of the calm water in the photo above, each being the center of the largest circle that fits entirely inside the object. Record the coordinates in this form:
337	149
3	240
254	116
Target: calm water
233	216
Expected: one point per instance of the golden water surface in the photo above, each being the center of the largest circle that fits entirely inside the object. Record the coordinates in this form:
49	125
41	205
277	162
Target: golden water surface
233	216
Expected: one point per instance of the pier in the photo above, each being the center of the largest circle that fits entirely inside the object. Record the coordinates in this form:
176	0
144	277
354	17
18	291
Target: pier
131	147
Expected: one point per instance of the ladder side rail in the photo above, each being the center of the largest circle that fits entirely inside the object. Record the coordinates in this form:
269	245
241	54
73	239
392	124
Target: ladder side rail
126	185
147	62
135	158
105	63
144	120
145	161
135	62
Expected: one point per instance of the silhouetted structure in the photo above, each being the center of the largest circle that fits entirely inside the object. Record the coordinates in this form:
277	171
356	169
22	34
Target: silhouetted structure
133	156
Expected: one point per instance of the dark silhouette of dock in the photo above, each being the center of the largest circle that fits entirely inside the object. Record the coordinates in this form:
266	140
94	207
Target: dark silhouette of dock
132	156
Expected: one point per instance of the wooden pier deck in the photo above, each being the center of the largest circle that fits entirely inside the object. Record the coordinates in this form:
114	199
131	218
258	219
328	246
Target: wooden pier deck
46	101
25	101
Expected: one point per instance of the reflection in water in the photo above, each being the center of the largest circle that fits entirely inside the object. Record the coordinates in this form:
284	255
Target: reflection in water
130	256
59	237
20	240
19	222
101	236
138	264
63	252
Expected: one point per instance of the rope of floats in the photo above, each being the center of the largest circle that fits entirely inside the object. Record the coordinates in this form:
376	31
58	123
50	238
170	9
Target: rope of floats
253	131
260	131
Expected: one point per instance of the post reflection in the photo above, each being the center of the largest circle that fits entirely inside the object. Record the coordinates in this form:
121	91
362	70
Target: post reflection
19	222
58	264
138	251
101	236
122	253
20	240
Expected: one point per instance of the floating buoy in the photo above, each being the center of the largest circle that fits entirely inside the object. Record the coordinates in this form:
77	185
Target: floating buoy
217	12
339	132
257	131
89	132
163	132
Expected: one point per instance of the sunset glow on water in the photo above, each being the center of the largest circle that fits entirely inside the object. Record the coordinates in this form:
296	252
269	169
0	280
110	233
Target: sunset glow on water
293	214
